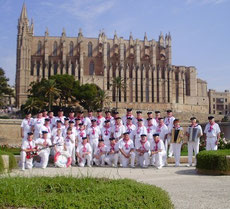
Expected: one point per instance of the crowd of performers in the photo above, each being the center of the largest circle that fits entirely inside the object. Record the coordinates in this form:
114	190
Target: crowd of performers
111	140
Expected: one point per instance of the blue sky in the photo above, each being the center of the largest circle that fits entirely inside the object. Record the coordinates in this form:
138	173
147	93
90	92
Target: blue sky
200	29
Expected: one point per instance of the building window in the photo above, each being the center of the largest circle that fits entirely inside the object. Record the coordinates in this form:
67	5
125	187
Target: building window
71	49
226	100
91	68
214	112
220	100
226	107
108	50
90	49
39	51
214	106
214	99
55	48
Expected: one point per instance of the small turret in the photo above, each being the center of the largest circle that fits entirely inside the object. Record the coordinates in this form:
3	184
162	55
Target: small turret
63	32
161	40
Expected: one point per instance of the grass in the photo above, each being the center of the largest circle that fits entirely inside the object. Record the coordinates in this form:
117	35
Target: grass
69	192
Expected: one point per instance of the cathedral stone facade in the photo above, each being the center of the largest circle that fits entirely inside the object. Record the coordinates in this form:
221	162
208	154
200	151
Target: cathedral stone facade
152	82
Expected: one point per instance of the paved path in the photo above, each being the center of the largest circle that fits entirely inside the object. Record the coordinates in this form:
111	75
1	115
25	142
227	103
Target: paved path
186	188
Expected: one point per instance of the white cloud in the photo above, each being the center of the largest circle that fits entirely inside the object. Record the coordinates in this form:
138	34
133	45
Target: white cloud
87	9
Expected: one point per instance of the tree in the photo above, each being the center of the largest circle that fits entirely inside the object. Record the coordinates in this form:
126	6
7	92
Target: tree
33	105
119	85
51	91
102	99
68	87
4	86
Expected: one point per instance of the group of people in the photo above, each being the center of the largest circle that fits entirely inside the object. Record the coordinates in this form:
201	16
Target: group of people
110	139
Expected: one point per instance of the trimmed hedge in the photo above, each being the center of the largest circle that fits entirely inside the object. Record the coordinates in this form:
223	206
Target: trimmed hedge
12	161
213	160
69	192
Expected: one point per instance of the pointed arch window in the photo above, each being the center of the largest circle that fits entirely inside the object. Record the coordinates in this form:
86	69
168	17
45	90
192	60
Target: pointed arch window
71	49
39	50
55	46
108	50
90	49
91	68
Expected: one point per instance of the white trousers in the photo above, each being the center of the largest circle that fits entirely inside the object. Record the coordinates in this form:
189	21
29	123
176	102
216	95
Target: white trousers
73	155
44	154
113	158
100	161
94	144
125	161
83	160
144	159
211	143
192	147
26	163
176	150
158	159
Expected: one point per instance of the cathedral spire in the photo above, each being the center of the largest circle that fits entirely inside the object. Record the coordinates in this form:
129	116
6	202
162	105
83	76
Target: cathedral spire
47	32
63	32
23	12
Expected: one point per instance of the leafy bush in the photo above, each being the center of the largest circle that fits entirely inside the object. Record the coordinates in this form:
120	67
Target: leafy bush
69	192
13	150
12	161
213	160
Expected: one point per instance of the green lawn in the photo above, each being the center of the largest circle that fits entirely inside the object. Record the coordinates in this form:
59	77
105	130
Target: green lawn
69	192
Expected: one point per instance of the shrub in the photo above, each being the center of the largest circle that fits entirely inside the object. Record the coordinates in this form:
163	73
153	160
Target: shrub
213	160
69	192
12	161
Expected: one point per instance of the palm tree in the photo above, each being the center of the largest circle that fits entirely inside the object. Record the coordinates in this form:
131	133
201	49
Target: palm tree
119	85
33	105
51	91
102	99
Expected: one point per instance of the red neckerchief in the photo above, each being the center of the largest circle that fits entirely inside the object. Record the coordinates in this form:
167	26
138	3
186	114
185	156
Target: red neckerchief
159	128
149	129
211	127
117	127
93	132
82	133
112	147
101	147
29	122
106	130
156	147
68	138
99	120
48	128
129	116
126	144
108	118
129	127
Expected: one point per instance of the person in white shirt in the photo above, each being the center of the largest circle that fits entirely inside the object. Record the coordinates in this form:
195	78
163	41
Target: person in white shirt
157	151
99	153
100	119
194	132
93	134
109	117
88	119
80	133
38	122
128	115
157	116
54	131
69	145
60	116
150	117
106	132
139	116
66	123
45	114
77	122
162	130
84	153
46	127
151	129
212	134
71	116
118	129
126	148
43	143
80	115
27	145
140	129
130	127
52	119
143	151
168	121
112	153
26	126
59	141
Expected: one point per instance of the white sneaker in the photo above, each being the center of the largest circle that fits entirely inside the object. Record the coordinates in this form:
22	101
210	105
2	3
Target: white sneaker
23	169
189	165
159	167
132	166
